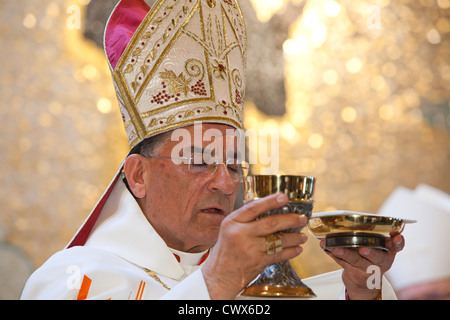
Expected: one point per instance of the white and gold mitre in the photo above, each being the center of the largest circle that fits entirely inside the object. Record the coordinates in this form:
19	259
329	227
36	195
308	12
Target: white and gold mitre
176	63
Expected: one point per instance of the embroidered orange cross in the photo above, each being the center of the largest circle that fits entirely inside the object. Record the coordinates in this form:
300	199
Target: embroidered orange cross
84	289
140	291
86	285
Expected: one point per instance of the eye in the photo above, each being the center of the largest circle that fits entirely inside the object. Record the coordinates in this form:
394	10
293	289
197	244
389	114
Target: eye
197	164
197	160
233	167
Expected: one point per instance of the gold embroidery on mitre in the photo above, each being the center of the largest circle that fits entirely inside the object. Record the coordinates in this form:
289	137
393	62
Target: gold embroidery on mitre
185	63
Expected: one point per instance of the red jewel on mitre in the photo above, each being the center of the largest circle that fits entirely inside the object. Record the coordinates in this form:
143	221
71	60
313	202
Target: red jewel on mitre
122	25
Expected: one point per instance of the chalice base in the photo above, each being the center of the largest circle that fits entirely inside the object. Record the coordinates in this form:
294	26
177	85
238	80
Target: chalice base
278	281
355	240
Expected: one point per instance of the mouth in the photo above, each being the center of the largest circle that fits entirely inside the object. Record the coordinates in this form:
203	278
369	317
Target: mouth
213	210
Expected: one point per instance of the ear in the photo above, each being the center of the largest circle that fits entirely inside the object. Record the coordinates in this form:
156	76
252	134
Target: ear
134	170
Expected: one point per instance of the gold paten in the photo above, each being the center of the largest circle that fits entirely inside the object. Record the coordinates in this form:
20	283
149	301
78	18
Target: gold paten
354	229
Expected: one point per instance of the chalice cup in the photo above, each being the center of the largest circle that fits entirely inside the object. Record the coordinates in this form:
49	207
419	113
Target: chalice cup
280	280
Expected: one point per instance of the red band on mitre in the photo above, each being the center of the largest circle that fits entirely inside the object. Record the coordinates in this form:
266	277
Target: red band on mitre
122	25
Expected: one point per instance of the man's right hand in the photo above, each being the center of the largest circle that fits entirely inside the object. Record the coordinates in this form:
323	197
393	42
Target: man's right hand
240	252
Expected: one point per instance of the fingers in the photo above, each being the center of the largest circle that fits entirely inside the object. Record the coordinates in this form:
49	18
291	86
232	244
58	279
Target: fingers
249	213
254	209
395	244
356	262
291	240
348	256
276	223
286	254
364	256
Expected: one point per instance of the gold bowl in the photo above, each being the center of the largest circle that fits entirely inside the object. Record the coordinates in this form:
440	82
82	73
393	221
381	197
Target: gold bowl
354	229
297	188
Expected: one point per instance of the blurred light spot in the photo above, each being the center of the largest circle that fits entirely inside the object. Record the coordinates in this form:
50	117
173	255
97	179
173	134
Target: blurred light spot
270	124
104	105
288	131
433	36
315	141
353	65
296	46
265	9
298	119
330	76
348	114
443	4
386	112
53	9
89	71
332	8
319	35
29	21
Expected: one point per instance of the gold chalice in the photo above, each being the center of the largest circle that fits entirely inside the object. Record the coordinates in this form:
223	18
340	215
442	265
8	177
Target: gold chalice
280	279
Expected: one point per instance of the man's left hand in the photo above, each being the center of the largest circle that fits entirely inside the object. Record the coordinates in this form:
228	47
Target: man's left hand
356	263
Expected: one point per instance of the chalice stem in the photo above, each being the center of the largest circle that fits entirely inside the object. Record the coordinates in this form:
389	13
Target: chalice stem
279	280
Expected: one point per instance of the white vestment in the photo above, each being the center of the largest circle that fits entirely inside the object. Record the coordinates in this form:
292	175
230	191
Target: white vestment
125	258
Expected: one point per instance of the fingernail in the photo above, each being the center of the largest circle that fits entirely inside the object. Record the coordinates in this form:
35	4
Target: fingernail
304	237
303	219
281	198
338	251
365	251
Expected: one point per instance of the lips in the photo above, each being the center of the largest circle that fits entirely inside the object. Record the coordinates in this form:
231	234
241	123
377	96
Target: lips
214	205
213	210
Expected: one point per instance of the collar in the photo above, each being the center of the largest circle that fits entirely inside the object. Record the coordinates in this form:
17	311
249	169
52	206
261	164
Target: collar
193	259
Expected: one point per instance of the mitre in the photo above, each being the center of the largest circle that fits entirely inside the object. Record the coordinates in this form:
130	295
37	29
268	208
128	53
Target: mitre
177	63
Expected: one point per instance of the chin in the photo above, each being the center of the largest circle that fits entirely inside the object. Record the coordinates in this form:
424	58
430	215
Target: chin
209	235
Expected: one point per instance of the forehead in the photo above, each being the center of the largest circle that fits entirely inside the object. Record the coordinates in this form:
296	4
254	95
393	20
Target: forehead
203	136
206	128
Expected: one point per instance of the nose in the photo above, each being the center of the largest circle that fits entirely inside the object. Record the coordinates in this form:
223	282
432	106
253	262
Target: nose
222	180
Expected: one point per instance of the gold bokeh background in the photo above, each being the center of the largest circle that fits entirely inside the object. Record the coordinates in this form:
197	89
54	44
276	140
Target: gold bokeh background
367	110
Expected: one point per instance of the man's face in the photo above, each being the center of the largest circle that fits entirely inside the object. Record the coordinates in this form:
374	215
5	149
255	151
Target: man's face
184	207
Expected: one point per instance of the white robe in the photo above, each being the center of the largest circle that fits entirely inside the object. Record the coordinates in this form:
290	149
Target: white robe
123	251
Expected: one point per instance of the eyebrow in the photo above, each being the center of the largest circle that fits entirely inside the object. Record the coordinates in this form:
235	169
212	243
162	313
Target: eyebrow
196	150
